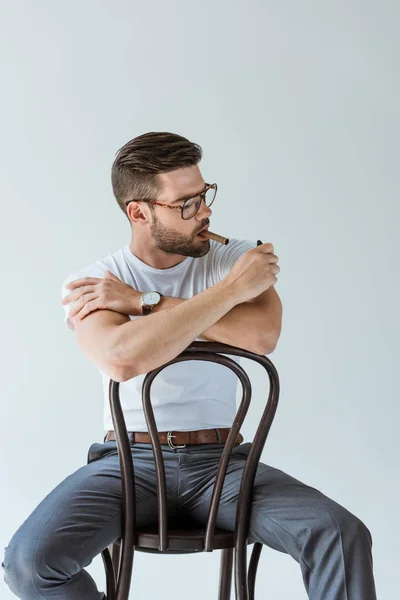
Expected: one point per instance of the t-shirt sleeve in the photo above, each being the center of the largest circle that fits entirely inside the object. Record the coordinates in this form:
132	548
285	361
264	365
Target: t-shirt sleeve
225	257
95	270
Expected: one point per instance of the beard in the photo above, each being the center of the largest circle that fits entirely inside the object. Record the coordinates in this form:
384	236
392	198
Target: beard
174	242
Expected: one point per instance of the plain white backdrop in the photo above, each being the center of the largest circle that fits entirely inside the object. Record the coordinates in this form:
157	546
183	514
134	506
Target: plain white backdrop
295	105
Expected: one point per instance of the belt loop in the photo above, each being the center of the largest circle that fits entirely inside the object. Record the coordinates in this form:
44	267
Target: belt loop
218	436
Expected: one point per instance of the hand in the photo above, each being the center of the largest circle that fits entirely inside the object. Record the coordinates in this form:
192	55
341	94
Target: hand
98	293
254	272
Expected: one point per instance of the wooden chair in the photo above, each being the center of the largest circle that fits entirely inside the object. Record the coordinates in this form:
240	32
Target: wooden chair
179	537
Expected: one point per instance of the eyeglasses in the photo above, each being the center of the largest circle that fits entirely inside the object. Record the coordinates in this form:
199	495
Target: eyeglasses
189	206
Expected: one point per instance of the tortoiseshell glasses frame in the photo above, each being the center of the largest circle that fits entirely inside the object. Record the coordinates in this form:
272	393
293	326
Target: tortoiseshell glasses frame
201	196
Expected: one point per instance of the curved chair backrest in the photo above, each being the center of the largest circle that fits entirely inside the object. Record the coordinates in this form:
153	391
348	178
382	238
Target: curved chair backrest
208	351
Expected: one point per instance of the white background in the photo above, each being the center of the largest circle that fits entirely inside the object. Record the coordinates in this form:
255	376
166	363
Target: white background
296	107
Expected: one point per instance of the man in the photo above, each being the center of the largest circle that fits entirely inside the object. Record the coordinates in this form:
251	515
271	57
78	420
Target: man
135	310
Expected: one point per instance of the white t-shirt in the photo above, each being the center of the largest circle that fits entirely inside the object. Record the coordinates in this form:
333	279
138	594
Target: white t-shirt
188	395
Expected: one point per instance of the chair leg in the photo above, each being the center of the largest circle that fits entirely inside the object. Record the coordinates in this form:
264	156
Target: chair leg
225	577
111	559
241	582
251	577
115	556
110	574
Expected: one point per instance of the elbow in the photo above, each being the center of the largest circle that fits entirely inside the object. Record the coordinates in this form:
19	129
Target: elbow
123	370
269	349
120	369
120	374
130	373
263	350
266	346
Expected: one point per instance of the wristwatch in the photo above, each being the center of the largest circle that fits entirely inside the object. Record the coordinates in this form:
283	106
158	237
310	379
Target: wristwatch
149	300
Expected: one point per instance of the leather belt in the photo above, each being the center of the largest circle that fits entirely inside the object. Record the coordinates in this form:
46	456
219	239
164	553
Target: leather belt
180	439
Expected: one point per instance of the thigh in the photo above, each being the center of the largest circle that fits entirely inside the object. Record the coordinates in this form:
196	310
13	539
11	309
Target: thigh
284	510
81	516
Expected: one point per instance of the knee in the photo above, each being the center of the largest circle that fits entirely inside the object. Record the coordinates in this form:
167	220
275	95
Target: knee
359	531
15	566
18	567
336	518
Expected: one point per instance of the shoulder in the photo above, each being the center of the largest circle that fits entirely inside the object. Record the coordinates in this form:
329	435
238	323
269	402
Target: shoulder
110	262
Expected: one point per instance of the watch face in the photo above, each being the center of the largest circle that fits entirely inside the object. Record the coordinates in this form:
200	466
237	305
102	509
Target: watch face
151	298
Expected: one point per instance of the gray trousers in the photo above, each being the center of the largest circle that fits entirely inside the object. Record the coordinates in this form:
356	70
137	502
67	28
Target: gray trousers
81	516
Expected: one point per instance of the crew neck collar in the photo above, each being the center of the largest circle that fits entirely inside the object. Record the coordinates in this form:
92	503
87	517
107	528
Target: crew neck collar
133	258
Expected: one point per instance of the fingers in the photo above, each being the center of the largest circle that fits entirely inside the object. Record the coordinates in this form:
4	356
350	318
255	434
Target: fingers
84	281
86	305
88	308
81	302
275	269
76	294
83	288
268	247
270	256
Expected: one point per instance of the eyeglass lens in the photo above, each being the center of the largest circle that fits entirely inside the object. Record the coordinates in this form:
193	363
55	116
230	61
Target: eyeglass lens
192	206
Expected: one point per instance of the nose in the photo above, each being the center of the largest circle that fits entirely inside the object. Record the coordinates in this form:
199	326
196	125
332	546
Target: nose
204	212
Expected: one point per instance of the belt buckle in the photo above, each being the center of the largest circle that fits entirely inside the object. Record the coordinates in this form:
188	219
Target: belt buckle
171	444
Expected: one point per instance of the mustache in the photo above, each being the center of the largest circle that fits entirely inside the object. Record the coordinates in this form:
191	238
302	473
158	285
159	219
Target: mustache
204	225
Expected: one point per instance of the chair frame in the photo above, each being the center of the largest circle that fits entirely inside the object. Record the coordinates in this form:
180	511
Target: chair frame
118	558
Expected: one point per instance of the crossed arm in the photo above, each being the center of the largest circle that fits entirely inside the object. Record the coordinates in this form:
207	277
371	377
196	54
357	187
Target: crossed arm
254	325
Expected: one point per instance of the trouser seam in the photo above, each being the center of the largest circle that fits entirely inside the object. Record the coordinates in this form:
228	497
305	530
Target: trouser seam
342	553
283	529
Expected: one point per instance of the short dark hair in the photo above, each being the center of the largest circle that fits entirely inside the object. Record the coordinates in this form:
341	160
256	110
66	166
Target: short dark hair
137	164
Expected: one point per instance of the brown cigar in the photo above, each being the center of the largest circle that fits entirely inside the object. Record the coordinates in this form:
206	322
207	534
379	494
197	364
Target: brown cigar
215	236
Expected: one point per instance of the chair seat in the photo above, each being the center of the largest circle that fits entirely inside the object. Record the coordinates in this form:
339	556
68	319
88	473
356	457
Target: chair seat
183	538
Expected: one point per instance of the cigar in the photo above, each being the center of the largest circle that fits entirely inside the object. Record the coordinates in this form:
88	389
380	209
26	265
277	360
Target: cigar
215	236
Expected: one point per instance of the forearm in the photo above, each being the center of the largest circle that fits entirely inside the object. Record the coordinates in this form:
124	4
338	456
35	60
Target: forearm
247	325
144	344
238	327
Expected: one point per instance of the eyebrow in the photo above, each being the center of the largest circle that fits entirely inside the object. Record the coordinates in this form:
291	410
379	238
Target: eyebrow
190	195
